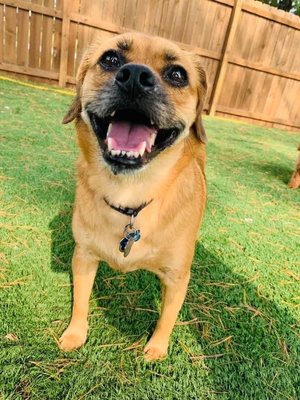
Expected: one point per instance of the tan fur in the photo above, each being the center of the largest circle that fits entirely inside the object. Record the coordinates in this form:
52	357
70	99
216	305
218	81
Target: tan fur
295	178
174	180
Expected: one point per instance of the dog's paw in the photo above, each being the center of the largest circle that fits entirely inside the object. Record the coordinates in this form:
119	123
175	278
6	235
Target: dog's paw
72	339
155	350
293	184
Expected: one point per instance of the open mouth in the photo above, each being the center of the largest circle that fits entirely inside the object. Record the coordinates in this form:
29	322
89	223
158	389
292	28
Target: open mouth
129	139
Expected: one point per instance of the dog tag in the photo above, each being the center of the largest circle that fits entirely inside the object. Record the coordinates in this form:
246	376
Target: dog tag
128	246
131	235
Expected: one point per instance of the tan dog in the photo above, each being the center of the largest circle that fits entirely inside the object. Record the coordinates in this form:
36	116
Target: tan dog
295	178
140	172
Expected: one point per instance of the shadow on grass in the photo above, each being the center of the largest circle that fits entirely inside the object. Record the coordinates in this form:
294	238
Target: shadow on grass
243	336
62	243
278	171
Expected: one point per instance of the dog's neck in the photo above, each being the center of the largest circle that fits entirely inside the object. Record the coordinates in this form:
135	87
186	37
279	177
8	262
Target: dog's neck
131	212
131	234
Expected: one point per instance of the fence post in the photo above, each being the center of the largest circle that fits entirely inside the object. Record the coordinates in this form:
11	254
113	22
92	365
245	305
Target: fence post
223	63
64	43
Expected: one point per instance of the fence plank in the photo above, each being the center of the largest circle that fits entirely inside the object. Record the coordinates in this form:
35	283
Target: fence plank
108	9
118	12
1	32
37	8
57	32
29	71
73	38
264	68
129	12
271	13
64	44
216	90
9	50
254	116
142	8
47	33
36	21
23	38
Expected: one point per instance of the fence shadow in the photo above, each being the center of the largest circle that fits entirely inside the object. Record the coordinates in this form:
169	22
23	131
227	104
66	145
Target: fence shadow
260	339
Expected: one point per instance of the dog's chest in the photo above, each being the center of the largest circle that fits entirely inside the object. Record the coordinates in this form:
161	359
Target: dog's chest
108	232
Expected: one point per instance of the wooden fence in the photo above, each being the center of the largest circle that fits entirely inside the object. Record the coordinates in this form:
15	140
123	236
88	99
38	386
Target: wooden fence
251	51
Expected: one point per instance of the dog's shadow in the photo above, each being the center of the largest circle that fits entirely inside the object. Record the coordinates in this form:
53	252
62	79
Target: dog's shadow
227	314
277	171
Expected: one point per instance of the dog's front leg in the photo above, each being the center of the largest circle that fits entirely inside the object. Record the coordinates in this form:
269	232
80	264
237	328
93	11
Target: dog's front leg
173	295
84	268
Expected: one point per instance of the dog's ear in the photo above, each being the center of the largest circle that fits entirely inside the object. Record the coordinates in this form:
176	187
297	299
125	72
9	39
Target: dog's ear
75	107
202	89
74	110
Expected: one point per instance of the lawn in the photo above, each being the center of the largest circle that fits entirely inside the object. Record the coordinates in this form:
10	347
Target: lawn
238	335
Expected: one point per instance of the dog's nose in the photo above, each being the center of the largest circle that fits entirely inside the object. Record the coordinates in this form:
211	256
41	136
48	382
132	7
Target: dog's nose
135	79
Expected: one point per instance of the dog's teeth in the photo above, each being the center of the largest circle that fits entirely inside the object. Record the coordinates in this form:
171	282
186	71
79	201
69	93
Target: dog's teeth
129	153
151	122
142	149
108	130
109	144
123	152
150	142
115	152
136	154
113	113
152	139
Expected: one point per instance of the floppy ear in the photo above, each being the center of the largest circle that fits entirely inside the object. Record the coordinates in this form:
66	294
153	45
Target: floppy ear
74	110
202	88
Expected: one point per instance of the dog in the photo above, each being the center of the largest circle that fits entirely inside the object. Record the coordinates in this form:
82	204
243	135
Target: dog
294	182
141	187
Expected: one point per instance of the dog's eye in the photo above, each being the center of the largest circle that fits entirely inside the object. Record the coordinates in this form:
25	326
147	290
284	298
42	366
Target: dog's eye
110	60
176	76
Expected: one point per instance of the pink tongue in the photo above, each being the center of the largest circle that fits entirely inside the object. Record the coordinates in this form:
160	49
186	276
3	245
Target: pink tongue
129	137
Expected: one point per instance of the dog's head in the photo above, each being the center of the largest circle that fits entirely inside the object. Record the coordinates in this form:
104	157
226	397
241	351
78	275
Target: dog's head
139	95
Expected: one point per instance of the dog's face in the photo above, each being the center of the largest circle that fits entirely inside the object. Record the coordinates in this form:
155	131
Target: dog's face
138	95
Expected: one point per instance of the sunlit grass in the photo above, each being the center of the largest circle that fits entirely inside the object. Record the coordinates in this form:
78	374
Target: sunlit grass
238	336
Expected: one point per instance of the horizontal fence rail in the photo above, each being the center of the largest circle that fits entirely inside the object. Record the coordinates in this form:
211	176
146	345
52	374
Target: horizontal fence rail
251	51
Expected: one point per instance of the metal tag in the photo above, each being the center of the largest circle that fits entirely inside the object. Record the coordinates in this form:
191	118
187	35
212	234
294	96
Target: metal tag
131	235
128	247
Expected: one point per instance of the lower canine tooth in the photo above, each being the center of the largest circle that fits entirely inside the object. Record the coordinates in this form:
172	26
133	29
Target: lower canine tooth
142	150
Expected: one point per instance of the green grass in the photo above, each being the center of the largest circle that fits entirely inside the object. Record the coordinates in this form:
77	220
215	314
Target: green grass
241	339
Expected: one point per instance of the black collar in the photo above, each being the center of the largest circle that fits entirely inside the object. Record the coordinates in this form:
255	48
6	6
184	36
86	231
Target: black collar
127	210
